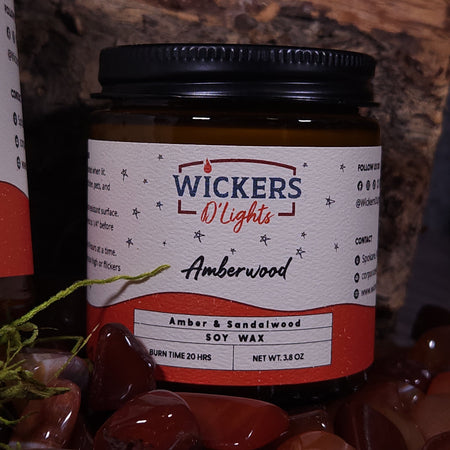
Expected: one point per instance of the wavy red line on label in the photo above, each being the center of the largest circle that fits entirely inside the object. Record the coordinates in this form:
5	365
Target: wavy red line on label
249	359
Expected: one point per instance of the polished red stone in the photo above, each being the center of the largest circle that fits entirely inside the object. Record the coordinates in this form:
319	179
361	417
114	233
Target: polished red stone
432	414
315	440
380	395
440	384
432	349
428	317
156	420
312	420
438	442
122	369
45	364
49	422
409	395
402	369
367	429
235	422
395	400
81	438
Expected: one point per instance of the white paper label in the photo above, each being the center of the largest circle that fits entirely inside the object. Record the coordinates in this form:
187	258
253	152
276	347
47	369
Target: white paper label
12	144
272	254
275	227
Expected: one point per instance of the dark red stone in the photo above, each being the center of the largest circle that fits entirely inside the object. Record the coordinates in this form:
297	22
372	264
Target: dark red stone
315	440
432	349
400	368
428	317
438	442
367	429
395	400
440	384
432	414
409	395
49	422
81	438
234	422
156	420
313	420
122	369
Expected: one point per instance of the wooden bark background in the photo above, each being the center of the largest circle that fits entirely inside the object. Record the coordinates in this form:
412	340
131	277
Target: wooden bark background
59	42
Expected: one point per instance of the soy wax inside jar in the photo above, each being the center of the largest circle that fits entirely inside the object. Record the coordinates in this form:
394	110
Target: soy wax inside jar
249	170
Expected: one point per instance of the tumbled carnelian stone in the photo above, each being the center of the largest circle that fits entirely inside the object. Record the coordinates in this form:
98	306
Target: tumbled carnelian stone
235	422
438	442
157	420
122	369
440	384
314	440
432	414
432	349
49	422
367	429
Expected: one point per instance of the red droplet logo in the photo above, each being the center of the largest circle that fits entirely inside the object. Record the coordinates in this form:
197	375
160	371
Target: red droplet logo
207	166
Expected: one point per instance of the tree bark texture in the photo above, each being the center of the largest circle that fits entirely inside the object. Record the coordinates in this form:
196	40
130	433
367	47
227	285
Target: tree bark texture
59	44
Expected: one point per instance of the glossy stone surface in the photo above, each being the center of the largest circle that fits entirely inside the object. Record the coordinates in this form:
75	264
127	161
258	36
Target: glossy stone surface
235	422
45	365
432	349
402	369
380	395
432	414
440	384
49	422
312	420
367	429
409	395
77	371
122	369
438	442
395	400
428	317
315	440
158	420
81	438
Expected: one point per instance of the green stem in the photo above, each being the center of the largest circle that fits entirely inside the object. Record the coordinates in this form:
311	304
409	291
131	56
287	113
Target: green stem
65	292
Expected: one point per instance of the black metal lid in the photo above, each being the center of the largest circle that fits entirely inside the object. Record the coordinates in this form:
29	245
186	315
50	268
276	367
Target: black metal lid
236	71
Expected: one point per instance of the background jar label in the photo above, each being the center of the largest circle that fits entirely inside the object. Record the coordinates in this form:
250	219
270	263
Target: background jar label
15	233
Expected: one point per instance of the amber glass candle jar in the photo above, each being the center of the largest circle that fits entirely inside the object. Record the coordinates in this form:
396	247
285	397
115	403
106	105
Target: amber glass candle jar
249	170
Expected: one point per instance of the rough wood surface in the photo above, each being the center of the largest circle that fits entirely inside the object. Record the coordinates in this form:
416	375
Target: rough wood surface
59	42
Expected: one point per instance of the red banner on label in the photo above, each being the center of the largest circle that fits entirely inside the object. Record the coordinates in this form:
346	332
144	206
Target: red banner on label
15	234
351	340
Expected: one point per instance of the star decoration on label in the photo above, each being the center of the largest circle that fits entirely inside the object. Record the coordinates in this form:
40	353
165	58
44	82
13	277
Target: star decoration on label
305	164
198	235
124	174
300	252
336	246
136	212
264	239
342	167
145	181
129	242
160	157
329	201
159	205
233	251
303	235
